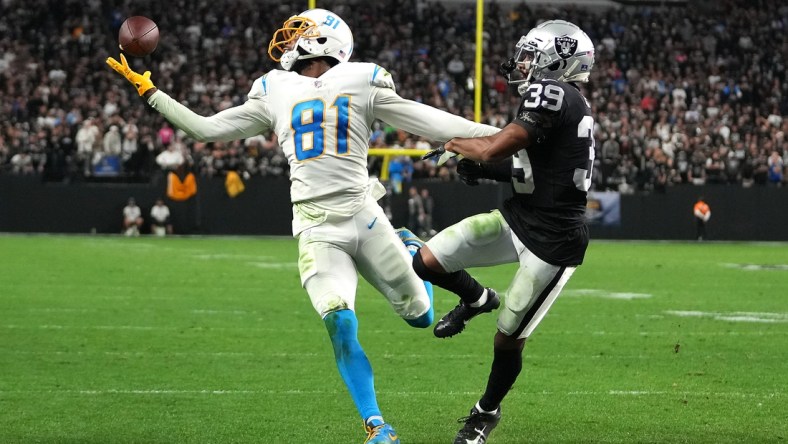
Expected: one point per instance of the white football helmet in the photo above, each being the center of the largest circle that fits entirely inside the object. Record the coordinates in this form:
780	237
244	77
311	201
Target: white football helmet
313	33
556	49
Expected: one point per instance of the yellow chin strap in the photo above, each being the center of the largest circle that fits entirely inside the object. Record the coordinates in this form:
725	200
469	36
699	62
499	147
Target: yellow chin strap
285	37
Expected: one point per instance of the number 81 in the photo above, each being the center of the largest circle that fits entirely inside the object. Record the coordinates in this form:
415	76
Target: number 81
308	122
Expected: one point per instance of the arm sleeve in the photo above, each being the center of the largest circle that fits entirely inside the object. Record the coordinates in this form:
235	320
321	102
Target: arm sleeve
538	124
234	123
499	172
423	120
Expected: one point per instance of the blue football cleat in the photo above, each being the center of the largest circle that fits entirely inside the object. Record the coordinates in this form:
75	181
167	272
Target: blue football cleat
381	434
409	239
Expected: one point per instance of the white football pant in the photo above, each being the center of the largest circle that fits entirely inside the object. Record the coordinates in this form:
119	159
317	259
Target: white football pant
486	239
331	253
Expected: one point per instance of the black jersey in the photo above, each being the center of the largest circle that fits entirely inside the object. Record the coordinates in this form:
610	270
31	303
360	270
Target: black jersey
551	178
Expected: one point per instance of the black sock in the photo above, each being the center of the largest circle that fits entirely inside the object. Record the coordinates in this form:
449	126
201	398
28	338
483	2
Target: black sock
506	367
460	282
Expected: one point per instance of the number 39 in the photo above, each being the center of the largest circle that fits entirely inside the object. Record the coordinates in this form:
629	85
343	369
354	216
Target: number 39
552	99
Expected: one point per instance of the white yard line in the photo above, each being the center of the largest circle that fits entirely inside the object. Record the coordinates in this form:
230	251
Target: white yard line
207	328
757	267
235	257
327	354
518	393
734	316
274	265
604	294
62	310
224	312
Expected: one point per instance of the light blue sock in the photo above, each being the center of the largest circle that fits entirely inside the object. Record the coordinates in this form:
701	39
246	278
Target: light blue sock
352	362
426	319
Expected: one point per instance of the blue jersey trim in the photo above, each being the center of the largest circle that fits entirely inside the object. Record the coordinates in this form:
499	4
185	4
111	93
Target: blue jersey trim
375	72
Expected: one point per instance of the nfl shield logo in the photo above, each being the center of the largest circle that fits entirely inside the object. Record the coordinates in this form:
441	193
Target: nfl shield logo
565	46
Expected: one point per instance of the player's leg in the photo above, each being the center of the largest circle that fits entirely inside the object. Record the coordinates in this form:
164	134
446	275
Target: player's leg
329	276
414	244
479	240
535	287
384	263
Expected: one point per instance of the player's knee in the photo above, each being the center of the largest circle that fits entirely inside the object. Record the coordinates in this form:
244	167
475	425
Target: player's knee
504	341
422	270
342	326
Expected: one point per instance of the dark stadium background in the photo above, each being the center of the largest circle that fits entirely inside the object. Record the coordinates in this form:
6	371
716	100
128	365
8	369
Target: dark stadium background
689	99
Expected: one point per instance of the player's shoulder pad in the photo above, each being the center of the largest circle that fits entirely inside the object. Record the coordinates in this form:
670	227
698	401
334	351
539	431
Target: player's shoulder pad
260	87
263	85
381	78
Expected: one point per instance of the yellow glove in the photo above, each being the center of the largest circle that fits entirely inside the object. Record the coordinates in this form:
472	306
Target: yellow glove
140	81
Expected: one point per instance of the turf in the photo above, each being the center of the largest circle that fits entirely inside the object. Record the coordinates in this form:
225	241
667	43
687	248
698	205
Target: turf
212	340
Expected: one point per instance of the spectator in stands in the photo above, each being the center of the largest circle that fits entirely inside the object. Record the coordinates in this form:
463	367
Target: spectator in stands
693	83
22	163
775	164
130	141
112	142
87	138
132	218
400	173
166	134
172	157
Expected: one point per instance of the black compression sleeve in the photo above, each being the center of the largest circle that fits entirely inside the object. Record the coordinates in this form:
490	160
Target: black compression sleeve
500	171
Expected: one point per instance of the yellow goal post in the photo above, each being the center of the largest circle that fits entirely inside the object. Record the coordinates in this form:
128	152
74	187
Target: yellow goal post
388	153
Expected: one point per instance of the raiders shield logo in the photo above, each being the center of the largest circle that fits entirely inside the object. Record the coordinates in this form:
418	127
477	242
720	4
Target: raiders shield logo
565	46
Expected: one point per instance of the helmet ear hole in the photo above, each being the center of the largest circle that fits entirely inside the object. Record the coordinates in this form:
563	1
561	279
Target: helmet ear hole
322	40
554	66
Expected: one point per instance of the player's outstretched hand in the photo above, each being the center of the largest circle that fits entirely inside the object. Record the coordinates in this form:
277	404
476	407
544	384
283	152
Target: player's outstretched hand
437	152
469	171
142	82
442	155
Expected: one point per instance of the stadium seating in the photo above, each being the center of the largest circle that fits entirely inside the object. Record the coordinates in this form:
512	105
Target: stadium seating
682	95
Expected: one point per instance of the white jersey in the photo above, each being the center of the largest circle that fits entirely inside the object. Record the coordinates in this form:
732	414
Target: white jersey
131	213
160	213
324	126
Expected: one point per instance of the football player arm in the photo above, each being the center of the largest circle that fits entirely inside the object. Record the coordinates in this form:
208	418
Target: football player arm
246	120
423	120
492	149
239	122
470	171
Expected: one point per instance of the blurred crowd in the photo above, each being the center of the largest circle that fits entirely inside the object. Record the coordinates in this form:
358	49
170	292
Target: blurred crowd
682	95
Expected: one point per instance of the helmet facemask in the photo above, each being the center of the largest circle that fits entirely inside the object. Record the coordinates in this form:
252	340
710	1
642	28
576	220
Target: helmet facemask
526	59
286	38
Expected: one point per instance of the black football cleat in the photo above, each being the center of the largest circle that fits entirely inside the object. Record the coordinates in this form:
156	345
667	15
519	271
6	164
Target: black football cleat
477	427
454	321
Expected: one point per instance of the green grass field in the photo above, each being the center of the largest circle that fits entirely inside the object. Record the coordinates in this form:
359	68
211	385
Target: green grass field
212	340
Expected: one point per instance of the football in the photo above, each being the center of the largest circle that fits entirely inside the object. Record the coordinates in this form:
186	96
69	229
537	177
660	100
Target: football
138	36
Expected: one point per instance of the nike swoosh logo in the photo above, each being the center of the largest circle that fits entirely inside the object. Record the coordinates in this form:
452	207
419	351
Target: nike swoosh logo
478	439
370	225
